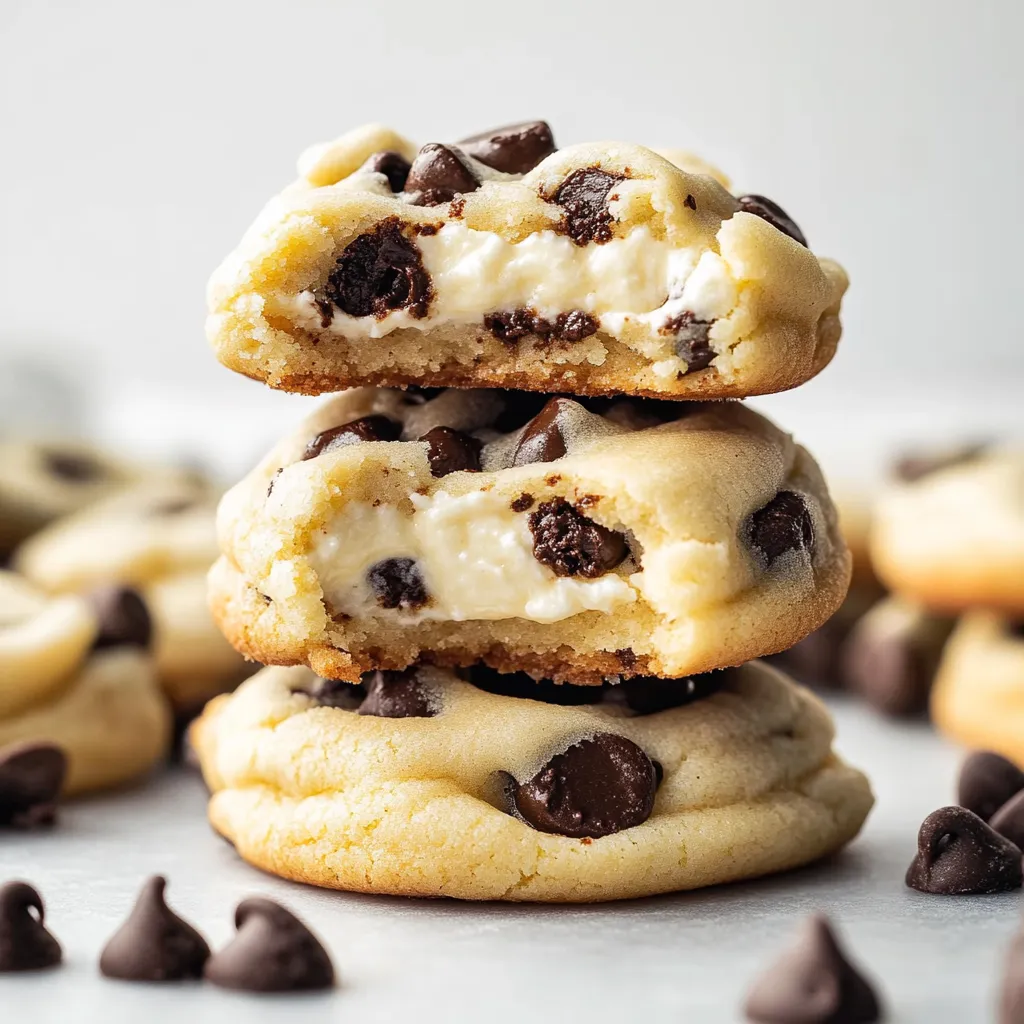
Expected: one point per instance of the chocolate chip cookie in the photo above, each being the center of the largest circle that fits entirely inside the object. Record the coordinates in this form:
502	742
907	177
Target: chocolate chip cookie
501	261
574	538
496	787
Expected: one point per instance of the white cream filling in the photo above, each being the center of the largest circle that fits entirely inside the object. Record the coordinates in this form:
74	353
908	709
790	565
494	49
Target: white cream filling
475	556
633	279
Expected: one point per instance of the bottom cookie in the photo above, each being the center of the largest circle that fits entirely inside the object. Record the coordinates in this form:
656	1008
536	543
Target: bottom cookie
978	697
423	784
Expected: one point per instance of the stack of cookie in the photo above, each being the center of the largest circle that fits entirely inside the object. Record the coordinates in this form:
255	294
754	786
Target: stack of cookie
514	577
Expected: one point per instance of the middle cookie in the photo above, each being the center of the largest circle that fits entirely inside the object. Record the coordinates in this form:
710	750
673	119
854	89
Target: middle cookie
576	539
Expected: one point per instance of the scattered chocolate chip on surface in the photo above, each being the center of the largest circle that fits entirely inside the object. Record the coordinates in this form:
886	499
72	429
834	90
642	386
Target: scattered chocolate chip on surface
154	944
691	338
124	619
397	583
31	777
398	695
987	781
512	149
959	854
543	439
764	208
597	786
813	983
784	524
451	451
584	198
392	165
1008	821
570	544
438	174
366	428
273	951
25	943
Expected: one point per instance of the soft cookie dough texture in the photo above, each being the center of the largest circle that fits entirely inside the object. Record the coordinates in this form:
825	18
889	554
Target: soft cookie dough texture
413	806
594	269
600	538
103	707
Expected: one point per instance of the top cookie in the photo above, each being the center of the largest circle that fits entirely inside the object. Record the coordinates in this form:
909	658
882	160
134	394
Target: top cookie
502	262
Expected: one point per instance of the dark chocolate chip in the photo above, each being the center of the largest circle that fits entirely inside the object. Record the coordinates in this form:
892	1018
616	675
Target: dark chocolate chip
273	951
397	583
784	524
392	165
1008	821
366	428
986	782
123	615
438	174
597	786
451	451
522	503
813	983
570	544
72	467
959	854
154	944
335	693
510	326
31	777
398	695
543	439
512	149
524	687
691	339
1011	992
416	394
25	944
774	214
915	466
518	408
584	198
815	660
377	272
647	695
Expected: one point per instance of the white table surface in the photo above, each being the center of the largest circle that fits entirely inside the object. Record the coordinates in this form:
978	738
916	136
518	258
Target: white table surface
684	958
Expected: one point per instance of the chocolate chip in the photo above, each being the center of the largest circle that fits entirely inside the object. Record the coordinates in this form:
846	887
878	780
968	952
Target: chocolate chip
377	272
31	777
691	339
451	451
335	693
774	214
438	174
366	428
784	524
543	439
584	198
597	786
1011	992
647	695
512	149
815	660
1008	821
813	983
75	468
522	503
958	854
25	944
124	618
397	583
392	165
570	544
916	466
154	944
510	326
524	687
986	782
518	408
398	695
273	951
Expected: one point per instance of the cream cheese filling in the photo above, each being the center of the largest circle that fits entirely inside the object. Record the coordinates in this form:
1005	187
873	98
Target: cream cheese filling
475	556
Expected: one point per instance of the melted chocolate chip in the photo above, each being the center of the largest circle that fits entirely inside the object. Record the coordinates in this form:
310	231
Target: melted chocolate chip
335	693
813	983
31	777
1008	821
774	214
398	695
392	165
377	272
647	695
784	524
518	323
512	149
438	174
397	583
543	439
74	468
25	944
597	786
124	618
959	854
584	198
570	544
154	944
986	782
366	428
272	951
916	466
451	451
691	337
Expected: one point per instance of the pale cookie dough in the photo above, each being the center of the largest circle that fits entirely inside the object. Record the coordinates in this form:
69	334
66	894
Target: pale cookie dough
978	696
953	539
601	537
63	681
500	262
736	784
